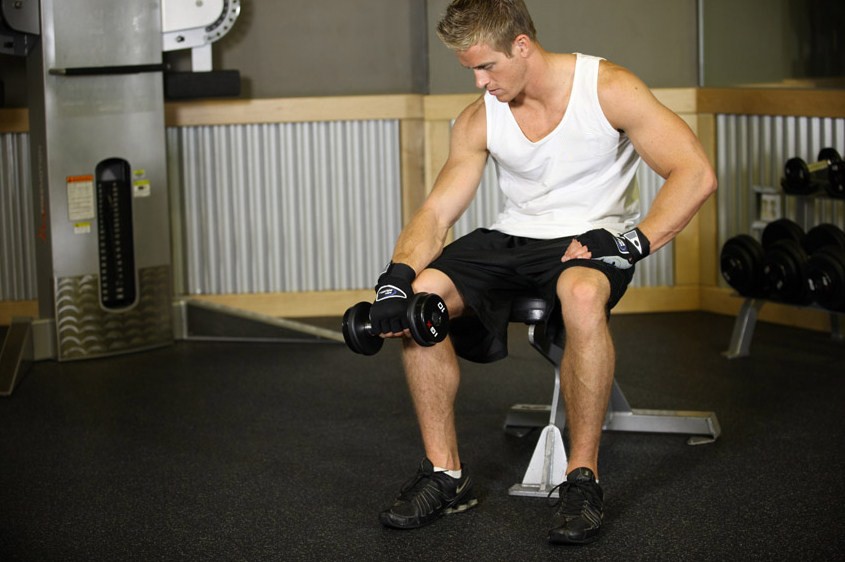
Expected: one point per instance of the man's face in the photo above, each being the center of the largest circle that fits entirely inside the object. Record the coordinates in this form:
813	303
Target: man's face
495	72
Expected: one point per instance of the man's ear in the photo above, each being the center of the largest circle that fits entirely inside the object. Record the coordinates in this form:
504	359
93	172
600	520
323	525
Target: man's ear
522	45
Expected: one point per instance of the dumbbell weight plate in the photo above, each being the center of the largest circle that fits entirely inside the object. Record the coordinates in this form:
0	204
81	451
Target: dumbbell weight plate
357	332
781	229
829	154
428	319
741	262
797	178
822	235
826	277
785	271
835	186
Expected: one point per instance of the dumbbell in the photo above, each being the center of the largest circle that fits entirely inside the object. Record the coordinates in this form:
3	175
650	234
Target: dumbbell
801	178
785	262
743	258
427	316
741	262
836	180
826	266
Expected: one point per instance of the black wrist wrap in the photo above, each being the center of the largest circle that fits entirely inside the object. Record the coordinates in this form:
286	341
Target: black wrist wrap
637	243
400	270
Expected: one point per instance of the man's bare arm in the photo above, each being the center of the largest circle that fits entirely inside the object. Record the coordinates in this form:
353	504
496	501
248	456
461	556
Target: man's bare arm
422	240
667	145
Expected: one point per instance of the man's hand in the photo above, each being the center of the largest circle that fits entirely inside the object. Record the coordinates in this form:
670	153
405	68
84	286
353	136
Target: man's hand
393	291
621	251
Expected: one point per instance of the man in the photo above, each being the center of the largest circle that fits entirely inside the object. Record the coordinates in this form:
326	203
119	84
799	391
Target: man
566	133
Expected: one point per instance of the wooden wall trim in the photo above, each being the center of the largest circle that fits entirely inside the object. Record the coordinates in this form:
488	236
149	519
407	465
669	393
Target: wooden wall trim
14	120
746	101
636	300
445	107
293	110
334	303
292	305
336	108
11	309
412	133
772	101
679	100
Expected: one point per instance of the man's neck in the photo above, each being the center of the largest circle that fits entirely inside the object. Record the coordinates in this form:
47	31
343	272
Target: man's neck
548	79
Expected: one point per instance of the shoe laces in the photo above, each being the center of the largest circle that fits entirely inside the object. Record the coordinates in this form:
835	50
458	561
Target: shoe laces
414	485
571	499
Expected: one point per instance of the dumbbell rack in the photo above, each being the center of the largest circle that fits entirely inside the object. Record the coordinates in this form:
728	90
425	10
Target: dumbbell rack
746	320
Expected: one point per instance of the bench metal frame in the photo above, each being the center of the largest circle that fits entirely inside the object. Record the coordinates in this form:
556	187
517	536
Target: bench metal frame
547	467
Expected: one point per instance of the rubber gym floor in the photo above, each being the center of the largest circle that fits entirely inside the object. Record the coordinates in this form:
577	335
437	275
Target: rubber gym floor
288	451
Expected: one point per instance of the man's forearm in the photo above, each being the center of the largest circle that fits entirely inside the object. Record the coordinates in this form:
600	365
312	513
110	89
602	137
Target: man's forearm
676	204
421	241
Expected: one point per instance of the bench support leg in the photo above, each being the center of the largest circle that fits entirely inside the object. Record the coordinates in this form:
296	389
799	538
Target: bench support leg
547	467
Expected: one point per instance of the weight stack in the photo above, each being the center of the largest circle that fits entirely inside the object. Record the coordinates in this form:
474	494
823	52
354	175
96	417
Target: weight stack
97	144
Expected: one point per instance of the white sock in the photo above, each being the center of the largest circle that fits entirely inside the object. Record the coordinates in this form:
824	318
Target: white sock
453	473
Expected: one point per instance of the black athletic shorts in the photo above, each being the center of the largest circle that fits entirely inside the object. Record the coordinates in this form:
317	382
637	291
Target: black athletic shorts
490	269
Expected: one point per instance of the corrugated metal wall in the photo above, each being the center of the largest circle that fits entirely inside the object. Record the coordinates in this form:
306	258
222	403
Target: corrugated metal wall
17	233
657	270
315	206
752	151
286	207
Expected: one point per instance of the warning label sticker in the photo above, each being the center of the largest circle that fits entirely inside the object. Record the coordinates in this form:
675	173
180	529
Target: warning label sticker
80	198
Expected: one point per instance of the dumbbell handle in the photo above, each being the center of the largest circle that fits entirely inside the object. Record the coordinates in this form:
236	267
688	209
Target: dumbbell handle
800	175
415	330
368	327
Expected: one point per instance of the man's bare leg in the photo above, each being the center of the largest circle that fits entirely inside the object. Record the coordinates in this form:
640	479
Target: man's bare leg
586	379
588	362
433	377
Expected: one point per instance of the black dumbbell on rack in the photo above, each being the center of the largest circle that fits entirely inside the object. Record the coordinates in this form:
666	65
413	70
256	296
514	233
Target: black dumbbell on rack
836	180
427	316
785	262
741	262
802	178
771	269
826	266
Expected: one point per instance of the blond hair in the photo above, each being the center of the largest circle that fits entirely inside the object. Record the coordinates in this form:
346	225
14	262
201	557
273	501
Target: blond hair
493	22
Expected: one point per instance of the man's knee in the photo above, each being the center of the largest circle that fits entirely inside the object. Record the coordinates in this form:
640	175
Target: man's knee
437	282
583	293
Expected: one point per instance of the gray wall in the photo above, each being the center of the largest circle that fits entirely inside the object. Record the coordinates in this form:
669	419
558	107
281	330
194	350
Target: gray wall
327	47
656	39
763	41
293	48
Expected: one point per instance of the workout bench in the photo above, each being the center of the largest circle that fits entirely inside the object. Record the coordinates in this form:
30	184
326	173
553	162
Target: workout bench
547	467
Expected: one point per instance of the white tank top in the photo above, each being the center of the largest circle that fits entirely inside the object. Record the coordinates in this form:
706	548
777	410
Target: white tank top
578	177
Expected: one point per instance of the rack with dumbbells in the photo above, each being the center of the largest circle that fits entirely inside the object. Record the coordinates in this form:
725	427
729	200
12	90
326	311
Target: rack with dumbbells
798	262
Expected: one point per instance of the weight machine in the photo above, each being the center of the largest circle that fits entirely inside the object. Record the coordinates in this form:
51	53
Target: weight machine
95	86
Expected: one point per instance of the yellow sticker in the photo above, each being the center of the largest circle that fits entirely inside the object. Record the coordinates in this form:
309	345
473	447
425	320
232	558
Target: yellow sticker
141	188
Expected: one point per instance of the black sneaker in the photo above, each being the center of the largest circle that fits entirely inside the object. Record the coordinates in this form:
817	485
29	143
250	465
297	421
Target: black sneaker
428	496
579	516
